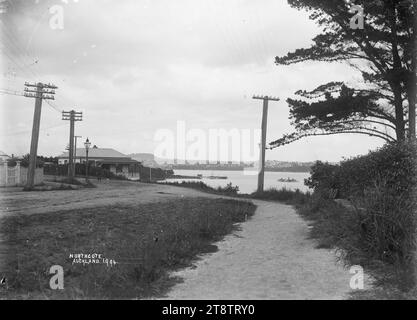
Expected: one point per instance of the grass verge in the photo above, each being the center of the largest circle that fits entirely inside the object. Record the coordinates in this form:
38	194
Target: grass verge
288	196
147	242
229	190
337	227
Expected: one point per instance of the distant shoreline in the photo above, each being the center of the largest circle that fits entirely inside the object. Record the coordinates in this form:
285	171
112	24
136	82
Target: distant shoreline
282	170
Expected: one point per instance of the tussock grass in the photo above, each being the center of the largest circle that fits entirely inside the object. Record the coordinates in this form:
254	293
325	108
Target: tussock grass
147	241
376	240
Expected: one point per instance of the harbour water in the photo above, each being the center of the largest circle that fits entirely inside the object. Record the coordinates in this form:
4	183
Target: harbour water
247	183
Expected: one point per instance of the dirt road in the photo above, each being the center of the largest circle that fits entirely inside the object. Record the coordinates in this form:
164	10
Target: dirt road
271	256
15	201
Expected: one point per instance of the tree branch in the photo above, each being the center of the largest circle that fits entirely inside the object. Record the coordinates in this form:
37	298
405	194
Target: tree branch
275	144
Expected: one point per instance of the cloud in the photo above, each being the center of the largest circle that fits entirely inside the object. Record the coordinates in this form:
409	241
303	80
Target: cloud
135	66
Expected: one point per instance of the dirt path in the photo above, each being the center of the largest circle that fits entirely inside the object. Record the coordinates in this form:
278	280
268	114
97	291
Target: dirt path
270	258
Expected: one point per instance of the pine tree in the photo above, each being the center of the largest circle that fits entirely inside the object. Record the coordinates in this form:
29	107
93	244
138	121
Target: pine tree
384	51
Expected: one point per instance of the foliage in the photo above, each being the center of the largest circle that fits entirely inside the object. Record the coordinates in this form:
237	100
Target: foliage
80	170
380	224
395	163
385	54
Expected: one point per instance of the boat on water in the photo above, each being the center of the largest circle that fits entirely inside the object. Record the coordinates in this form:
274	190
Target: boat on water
213	177
217	178
290	180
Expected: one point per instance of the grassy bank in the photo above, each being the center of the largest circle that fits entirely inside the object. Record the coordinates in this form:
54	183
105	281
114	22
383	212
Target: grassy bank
336	227
147	242
296	197
229	190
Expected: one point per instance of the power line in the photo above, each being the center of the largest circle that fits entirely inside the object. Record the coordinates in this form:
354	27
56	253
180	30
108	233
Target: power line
17	133
15	43
10	92
23	60
12	59
54	106
18	59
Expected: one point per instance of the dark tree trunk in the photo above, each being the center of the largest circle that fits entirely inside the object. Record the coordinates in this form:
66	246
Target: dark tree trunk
394	75
412	85
399	114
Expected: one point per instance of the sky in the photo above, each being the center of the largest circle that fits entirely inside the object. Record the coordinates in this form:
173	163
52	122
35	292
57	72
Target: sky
136	68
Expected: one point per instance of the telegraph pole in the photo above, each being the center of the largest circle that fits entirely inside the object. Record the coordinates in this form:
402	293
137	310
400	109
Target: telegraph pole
71	116
261	175
40	92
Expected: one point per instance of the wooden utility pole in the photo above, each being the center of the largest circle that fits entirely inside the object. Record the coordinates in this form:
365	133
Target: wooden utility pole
261	175
71	116
40	92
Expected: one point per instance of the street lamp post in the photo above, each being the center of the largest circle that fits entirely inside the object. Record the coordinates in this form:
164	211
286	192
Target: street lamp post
87	145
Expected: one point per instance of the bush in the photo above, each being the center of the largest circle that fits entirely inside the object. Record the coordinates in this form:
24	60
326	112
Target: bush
387	223
229	189
381	223
394	162
80	170
324	176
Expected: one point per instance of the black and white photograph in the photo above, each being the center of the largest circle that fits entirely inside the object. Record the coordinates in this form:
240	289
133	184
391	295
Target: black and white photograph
205	156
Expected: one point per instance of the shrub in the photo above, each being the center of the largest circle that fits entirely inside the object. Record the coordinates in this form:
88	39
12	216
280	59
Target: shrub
387	223
394	162
229	189
324	176
80	170
381	225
